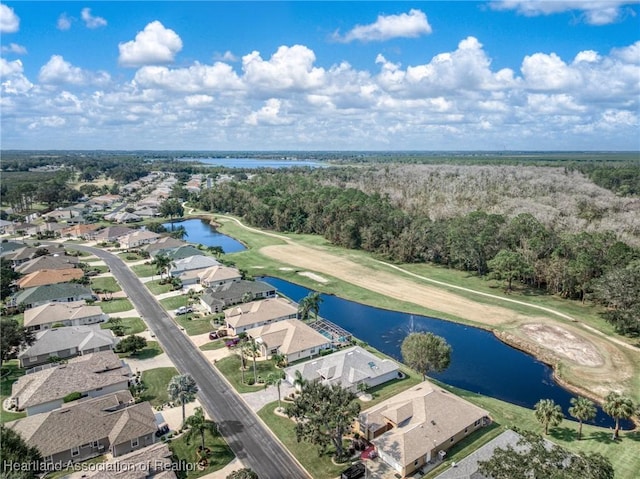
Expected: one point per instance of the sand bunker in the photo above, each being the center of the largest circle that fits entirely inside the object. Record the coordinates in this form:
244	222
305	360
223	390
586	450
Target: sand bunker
564	343
313	276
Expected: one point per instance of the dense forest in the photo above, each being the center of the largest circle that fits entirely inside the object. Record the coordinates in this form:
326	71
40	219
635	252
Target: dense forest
520	248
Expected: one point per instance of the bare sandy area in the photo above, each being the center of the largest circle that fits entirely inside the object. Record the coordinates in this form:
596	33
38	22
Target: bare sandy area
313	276
565	343
390	284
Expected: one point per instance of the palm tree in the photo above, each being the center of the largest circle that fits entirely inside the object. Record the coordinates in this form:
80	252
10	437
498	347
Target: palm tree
182	389
299	381
245	473
280	360
582	409
252	348
618	407
199	424
309	304
163	263
548	413
275	379
242	365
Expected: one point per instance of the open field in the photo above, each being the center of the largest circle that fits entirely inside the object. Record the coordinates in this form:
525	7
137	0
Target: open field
348	271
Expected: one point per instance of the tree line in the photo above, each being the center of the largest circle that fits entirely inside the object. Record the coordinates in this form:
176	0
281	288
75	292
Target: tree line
585	265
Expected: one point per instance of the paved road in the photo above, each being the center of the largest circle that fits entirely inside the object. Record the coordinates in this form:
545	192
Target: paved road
249	439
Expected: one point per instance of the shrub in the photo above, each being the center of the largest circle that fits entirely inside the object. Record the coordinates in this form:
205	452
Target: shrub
74	396
251	381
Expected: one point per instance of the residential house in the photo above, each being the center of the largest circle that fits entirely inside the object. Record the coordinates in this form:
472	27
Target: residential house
49	262
78	231
92	375
146	210
76	313
164	243
66	342
3	226
122	217
418	426
189	268
111	234
50	293
138	238
259	313
87	428
214	300
218	275
348	367
290	338
149	462
22	255
181	252
49	276
104	201
61	214
8	247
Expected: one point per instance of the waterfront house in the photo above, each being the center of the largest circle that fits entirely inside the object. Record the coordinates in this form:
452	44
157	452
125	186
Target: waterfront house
418	426
162	245
259	313
214	300
218	275
138	238
111	234
189	268
290	338
348	367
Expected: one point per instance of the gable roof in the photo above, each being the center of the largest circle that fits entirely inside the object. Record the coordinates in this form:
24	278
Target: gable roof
28	252
56	312
79	230
47	262
346	367
259	311
427	416
165	242
80	337
50	292
80	374
139	235
219	273
236	289
193	262
49	276
112	232
81	422
290	336
183	252
7	247
149	462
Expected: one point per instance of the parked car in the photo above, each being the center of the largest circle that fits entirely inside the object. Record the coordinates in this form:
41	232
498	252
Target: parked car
183	310
213	335
232	342
354	472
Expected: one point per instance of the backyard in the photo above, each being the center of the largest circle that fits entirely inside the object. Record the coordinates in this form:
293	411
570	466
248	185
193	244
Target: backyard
10	373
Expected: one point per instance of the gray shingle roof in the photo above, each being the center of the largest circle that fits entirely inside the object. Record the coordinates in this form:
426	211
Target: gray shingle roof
47	262
82	338
81	422
235	290
51	292
81	374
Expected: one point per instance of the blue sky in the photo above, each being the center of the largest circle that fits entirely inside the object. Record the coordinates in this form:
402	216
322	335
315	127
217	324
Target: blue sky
457	75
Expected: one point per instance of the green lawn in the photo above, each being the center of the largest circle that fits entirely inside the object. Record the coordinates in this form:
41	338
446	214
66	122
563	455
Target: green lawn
219	457
156	380
144	270
213	345
107	284
194	325
10	373
131	325
151	350
100	268
115	305
174	302
385	391
230	368
130	256
319	466
156	288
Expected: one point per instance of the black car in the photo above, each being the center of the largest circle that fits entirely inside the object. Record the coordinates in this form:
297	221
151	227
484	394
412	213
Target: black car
353	472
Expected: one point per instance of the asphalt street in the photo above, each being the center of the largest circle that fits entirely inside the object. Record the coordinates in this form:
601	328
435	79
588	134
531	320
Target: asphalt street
251	441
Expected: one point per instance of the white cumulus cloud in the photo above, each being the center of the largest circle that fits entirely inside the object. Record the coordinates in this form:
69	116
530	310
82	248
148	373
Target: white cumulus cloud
58	71
154	45
269	114
90	21
64	22
594	12
404	25
9	21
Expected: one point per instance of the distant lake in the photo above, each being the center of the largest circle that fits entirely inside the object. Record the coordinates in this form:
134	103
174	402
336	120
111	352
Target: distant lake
201	232
480	362
256	162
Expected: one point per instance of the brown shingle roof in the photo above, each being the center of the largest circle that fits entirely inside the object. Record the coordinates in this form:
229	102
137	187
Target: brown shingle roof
49	276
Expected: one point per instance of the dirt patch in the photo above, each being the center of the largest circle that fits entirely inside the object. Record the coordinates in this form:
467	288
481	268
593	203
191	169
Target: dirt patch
313	276
564	343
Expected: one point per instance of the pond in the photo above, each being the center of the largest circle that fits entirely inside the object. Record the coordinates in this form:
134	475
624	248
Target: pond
256	162
201	232
480	362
